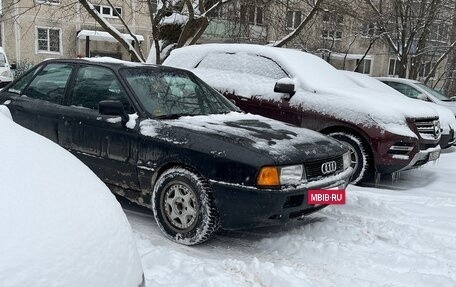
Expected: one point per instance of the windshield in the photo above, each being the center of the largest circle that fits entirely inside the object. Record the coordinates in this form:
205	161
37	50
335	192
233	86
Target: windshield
170	94
433	92
2	60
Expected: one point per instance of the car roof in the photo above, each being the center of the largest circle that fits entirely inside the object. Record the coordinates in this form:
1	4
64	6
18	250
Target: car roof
198	52
110	63
398	80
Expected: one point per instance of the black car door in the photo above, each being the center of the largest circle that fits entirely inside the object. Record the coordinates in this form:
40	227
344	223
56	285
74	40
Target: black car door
102	142
37	100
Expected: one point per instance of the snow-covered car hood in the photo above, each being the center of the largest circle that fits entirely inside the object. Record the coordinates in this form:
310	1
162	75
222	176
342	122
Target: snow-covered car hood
60	225
446	116
449	105
245	133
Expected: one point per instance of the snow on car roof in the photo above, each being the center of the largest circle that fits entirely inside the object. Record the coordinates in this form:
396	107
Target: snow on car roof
113	61
60	225
306	67
395	79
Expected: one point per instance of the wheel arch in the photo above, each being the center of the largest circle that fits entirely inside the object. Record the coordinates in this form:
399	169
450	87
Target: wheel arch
351	130
166	166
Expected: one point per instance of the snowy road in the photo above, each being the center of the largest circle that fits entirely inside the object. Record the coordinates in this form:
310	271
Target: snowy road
402	234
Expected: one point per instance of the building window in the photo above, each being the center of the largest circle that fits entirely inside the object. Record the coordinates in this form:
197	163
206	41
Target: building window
439	32
393	69
425	69
107	11
333	18
293	19
368	30
331	34
48	40
252	14
364	66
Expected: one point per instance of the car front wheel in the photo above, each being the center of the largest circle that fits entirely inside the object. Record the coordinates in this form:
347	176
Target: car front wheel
184	207
360	157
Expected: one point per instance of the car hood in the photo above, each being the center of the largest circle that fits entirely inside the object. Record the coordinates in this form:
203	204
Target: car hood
365	107
446	116
235	135
449	105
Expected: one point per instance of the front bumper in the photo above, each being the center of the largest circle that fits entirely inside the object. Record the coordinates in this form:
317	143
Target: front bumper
422	157
448	140
242	207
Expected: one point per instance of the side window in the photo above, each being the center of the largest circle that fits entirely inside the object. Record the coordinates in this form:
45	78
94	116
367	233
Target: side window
405	89
50	83
244	63
20	85
96	84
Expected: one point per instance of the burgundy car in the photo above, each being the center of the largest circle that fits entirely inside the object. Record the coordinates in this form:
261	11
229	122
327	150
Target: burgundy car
304	90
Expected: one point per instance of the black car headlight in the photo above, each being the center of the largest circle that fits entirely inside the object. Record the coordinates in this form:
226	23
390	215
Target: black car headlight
281	175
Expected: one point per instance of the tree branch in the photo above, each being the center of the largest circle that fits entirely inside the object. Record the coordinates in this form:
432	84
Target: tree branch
301	26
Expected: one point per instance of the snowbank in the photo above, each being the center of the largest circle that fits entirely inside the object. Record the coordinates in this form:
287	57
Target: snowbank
60	225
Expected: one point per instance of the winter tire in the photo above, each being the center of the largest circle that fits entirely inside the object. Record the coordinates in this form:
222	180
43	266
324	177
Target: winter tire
184	207
361	159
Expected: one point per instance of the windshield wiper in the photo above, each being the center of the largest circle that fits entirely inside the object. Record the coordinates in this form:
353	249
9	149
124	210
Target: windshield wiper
173	116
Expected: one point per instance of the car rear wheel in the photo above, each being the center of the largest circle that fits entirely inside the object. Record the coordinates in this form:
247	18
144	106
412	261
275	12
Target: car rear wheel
184	207
361	161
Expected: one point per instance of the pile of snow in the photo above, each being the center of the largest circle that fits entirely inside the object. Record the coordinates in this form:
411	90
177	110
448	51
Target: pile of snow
401	234
319	86
60	225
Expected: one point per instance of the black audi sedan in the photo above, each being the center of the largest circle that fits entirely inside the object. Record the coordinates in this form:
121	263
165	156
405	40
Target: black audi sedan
164	139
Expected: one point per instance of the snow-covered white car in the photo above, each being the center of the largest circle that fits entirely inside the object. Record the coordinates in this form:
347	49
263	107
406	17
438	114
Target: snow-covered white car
5	69
59	224
418	90
446	116
304	90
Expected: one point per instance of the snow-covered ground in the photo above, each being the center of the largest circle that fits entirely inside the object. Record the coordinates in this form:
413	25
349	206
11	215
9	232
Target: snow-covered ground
401	234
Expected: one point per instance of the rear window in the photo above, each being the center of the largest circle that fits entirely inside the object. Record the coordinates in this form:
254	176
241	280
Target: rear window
243	63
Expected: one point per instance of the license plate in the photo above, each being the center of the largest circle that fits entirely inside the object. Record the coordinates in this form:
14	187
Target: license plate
434	155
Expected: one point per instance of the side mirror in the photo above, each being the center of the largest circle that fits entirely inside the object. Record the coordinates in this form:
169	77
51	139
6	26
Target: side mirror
113	108
13	66
422	97
285	86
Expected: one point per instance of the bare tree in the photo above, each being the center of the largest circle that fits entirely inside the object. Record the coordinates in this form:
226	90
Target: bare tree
407	27
304	23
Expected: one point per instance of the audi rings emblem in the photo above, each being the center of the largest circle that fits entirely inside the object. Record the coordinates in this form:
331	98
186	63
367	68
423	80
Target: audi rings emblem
328	167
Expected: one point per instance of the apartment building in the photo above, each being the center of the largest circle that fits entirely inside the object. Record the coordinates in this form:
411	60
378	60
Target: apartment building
34	30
